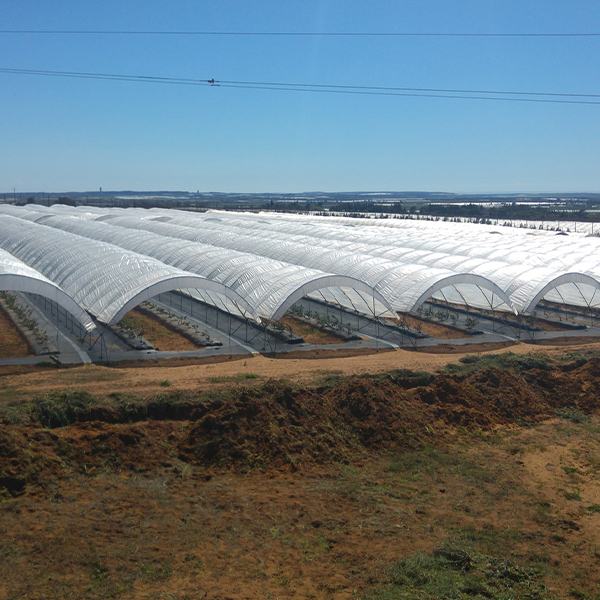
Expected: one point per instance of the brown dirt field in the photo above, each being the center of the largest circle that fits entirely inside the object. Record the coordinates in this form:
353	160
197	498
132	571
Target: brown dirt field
544	325
157	333
311	335
473	348
12	344
303	491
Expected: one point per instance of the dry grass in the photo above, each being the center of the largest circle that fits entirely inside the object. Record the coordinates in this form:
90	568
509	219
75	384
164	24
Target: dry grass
170	530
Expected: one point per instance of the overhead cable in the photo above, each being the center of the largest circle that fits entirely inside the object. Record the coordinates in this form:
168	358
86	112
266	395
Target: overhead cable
299	33
501	95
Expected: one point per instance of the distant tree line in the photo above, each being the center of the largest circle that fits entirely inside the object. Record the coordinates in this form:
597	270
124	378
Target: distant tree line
513	211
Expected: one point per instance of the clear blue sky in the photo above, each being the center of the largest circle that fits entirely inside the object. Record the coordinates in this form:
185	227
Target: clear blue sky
62	134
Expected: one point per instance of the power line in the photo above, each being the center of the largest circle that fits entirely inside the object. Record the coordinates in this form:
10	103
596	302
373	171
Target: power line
298	33
464	94
405	89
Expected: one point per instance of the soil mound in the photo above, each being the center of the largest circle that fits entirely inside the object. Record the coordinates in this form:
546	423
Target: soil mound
485	399
276	425
493	396
287	425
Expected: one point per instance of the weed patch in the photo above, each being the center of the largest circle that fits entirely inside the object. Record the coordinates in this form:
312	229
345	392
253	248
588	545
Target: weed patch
406	378
456	572
234	378
572	414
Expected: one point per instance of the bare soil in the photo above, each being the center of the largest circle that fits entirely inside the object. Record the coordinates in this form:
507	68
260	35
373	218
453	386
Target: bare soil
435	330
12	344
310	486
311	335
157	333
549	326
545	325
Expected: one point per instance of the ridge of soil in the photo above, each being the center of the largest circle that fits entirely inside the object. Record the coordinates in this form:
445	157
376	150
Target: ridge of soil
278	424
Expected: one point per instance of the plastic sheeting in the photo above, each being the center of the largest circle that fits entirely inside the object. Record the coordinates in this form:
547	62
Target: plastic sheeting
105	280
250	282
16	276
519	263
270	287
405	286
404	261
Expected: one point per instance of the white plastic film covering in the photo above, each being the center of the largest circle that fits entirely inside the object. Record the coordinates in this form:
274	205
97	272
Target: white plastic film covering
446	245
404	260
102	278
16	276
394	280
264	286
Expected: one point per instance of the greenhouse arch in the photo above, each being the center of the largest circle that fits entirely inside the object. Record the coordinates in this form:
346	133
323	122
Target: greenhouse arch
330	281
563	279
464	279
174	283
11	282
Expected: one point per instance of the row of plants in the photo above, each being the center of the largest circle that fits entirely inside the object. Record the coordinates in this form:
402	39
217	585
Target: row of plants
443	314
179	321
133	329
328	321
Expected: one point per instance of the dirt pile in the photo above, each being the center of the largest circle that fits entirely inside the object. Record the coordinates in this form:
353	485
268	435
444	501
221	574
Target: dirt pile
498	396
288	426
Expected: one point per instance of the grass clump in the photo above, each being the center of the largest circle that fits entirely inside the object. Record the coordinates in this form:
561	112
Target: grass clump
508	360
327	380
579	357
430	461
57	409
455	572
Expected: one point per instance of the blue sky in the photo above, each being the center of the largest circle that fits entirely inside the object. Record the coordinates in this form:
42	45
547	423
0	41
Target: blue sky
61	134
